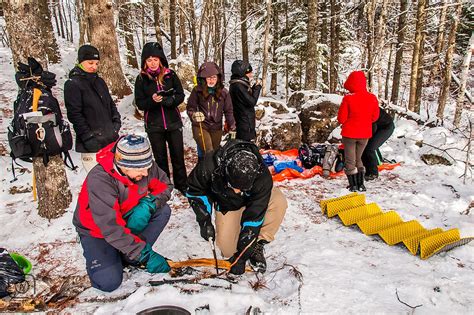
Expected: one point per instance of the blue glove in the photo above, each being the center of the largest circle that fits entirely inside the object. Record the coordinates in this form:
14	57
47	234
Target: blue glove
155	263
139	216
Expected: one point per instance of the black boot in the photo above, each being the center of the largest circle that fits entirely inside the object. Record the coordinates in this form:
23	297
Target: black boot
360	181
257	258
352	182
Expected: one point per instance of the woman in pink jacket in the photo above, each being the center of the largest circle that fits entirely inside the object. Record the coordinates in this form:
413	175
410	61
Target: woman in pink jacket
357	112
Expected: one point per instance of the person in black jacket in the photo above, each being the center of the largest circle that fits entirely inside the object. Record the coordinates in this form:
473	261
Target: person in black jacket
249	209
382	129
244	98
158	92
90	107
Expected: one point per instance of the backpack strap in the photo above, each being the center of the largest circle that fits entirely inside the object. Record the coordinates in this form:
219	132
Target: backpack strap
67	157
36	96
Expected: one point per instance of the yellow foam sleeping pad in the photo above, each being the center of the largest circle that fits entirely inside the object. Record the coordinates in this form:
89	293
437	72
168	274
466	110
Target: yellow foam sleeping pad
370	219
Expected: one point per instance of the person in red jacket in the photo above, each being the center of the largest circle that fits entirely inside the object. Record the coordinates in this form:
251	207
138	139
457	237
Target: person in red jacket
357	112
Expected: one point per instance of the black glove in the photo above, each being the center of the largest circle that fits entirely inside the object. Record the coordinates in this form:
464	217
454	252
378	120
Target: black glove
48	79
239	267
207	229
246	236
167	101
92	145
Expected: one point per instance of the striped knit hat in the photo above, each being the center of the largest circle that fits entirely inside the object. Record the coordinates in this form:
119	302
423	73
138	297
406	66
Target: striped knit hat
133	152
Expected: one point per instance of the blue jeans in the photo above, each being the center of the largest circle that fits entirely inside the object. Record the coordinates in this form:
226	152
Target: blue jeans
104	263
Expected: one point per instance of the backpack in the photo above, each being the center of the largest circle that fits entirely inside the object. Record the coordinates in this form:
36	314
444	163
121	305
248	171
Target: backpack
37	128
329	156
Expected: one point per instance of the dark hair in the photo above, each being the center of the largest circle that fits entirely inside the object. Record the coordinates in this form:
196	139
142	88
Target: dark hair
219	86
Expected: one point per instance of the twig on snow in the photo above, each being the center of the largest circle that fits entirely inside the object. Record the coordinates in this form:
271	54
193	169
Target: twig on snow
406	304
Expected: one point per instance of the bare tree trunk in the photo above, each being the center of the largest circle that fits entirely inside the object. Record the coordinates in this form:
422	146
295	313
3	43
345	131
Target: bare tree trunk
274	79
224	36
266	43
156	17
70	20
61	21
126	27
419	76
420	23
387	75
83	27
51	184
243	30
380	47
439	41
182	29
194	39
54	195
103	36
68	36
173	28
311	79
370	12
464	76
217	30
325	53
443	96
334	43
47	33
287	72
399	51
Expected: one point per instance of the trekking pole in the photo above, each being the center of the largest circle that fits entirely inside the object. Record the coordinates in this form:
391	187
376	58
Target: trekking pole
213	247
34	185
202	137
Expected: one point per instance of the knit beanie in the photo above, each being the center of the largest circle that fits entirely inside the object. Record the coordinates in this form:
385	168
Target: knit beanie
87	52
242	169
133	152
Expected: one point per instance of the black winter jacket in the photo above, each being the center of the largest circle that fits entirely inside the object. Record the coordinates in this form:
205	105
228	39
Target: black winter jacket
207	183
385	121
90	109
164	115
244	98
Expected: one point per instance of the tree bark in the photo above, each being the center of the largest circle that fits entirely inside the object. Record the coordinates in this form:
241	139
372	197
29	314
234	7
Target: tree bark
380	47
83	27
464	76
25	15
399	51
387	75
311	79
156	17
439	41
126	28
51	181
334	43
103	36
419	75
47	32
420	23
274	77
61	21
370	12
443	96
194	39
325	52
266	44
173	28
243	30
54	196
182	30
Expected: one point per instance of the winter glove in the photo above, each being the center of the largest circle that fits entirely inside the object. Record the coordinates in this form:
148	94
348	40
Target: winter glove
207	229
246	236
239	267
92	145
139	216
155	263
232	134
198	117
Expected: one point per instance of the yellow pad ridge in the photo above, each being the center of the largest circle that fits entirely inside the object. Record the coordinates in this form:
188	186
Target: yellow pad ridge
379	222
432	244
352	209
354	215
398	233
413	242
337	206
323	203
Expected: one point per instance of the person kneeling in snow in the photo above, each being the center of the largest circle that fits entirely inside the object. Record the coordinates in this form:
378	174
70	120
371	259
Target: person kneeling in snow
249	209
121	211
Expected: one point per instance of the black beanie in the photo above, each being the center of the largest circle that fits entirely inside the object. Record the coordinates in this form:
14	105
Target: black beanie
87	52
241	170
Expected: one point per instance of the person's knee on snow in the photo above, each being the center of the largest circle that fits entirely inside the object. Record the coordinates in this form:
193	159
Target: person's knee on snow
107	279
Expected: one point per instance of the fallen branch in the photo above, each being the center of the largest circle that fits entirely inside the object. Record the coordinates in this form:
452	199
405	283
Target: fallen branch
412	307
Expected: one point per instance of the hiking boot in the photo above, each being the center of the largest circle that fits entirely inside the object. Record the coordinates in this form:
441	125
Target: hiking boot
360	181
257	258
369	177
352	182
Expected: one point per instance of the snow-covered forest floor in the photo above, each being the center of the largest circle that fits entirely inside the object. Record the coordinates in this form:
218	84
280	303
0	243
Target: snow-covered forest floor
315	265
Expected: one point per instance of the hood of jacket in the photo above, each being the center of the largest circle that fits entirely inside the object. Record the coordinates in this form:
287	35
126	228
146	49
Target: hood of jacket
208	69
239	68
153	49
356	82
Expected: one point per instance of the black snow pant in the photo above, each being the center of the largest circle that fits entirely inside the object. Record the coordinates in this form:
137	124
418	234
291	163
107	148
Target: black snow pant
174	138
369	157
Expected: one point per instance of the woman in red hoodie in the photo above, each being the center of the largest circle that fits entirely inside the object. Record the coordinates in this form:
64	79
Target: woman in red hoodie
357	112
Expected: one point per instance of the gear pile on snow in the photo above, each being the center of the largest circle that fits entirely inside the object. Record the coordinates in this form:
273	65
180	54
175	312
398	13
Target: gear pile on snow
352	209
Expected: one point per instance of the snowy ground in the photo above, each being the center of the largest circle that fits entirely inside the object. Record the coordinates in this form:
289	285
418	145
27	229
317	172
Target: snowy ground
316	265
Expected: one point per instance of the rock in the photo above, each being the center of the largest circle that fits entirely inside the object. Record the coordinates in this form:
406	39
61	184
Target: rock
278	127
185	72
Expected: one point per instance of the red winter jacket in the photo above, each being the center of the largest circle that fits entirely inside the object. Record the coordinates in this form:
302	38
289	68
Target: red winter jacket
106	196
359	109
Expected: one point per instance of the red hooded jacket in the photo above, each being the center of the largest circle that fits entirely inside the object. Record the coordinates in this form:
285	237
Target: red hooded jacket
359	109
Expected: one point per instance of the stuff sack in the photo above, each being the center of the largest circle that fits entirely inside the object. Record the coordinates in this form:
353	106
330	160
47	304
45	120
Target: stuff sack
10	272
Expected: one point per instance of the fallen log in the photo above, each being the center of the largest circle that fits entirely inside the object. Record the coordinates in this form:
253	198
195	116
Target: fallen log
203	262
